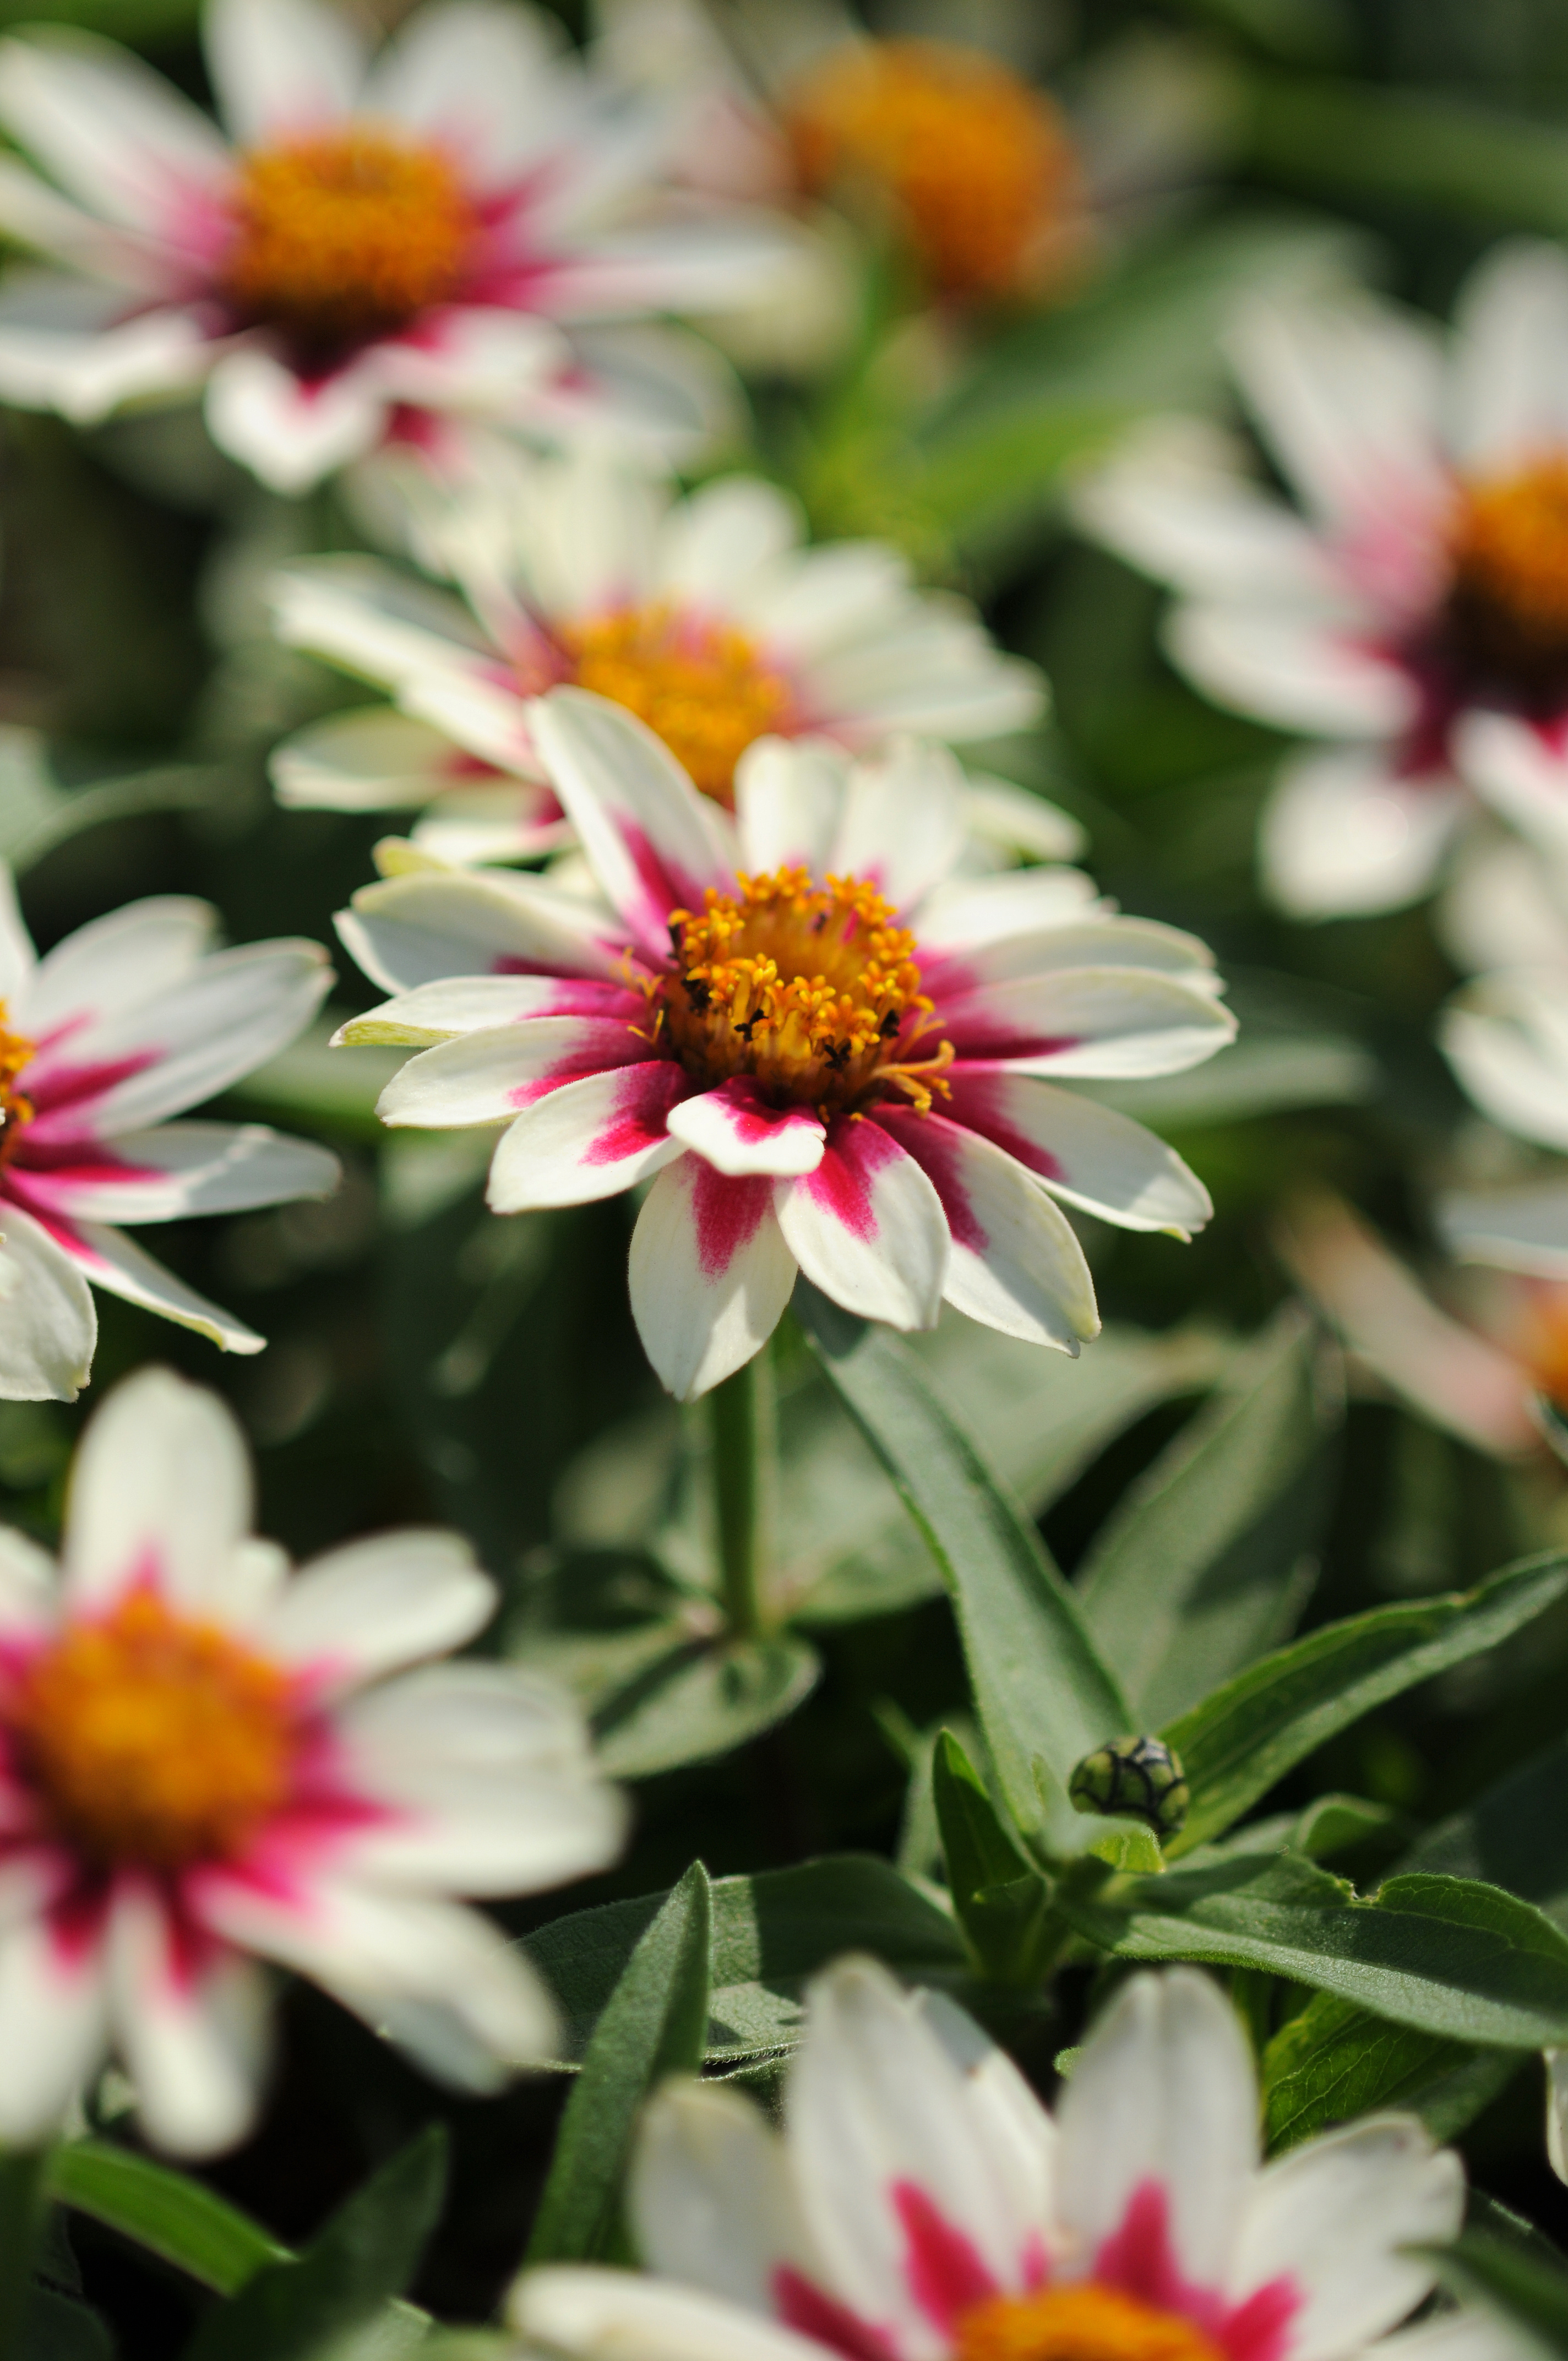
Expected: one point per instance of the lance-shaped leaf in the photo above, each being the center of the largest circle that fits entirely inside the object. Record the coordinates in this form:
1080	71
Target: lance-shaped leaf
177	2219
1001	1900
1515	1835
347	2279
1043	1696
1238	1742
654	2023
1335	2061
1443	1954
1204	1565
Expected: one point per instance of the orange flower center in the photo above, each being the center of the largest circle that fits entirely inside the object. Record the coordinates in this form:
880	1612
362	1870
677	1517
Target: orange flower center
702	686
1509	545
344	235
976	164
1078	2324
152	1738
806	987
16	1109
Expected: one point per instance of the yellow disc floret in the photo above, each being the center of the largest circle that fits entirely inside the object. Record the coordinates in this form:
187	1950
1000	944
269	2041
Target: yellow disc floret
1079	2323
975	165
701	685
151	1738
344	235
16	1108
1509	552
811	989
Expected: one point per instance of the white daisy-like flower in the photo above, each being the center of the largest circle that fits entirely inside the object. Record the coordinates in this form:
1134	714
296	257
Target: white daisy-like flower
707	616
1415	611
827	1052
921	2205
374	240
204	1761
126	1023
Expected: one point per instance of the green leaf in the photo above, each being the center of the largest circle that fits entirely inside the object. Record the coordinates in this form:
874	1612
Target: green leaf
170	2215
1043	1696
655	2025
1201	1568
1243	1739
21	2221
1516	2283
771	1934
37	813
693	1706
1335	2061
347	2278
1516	1836
1002	1903
1442	1954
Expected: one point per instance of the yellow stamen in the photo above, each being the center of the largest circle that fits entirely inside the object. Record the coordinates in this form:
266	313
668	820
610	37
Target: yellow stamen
703	687
151	1738
16	1109
343	235
1078	2324
806	987
977	165
1509	550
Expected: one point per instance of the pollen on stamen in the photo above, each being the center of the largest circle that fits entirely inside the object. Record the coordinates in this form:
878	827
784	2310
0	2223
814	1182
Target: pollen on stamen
17	1108
345	235
150	1739
1079	2323
1508	550
812	990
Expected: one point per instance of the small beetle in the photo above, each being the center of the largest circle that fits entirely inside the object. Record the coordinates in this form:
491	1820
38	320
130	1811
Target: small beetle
1133	1778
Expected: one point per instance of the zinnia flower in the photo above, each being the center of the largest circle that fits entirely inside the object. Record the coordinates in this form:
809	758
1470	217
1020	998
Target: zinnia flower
412	236
921	2205
705	617
202	1758
825	1054
130	1020
1416	612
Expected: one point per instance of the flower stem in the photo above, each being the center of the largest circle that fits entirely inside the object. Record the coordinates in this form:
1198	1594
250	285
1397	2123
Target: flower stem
742	1413
21	2216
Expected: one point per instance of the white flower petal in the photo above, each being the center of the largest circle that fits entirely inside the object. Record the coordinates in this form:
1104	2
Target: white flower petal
970	911
1509	387
179	1169
606	2315
1163	2094
738	1131
66	345
374	758
825	598
709	1272
1096	1021
1082	943
409	930
281	67
1521	772
1088	1154
192	2038
1508	1229
110	1259
729	531
1343	835
54	2027
159	1490
117	961
1174	502
710	2197
48	1325
289	431
903	821
18	957
1507	1039
868	1228
364	1609
457	1005
788	796
110	129
479	77
588	1139
491	1077
1299	669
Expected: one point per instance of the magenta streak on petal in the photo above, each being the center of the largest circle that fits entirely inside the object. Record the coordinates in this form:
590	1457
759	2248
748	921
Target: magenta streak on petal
938	1147
947	2273
976	1030
1139	2259
727	1213
64	1232
977	1098
841	1184
803	2306
664	888
644	1095
751	1116
600	1048
58	1089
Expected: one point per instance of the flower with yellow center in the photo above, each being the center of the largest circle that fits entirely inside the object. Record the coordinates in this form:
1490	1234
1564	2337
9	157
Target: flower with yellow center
346	234
703	687
975	166
206	1761
1508	603
920	2204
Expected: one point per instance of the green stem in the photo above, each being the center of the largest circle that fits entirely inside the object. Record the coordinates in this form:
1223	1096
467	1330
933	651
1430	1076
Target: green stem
740	1409
21	2216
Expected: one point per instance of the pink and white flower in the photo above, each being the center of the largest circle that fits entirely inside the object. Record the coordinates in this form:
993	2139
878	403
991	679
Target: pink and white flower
825	1052
1414	612
126	1023
204	1761
709	616
921	2205
375	242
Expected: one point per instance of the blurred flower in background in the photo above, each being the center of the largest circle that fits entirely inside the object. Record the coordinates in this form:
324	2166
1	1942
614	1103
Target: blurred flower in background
707	616
1416	611
838	1061
384	243
204	1759
126	1023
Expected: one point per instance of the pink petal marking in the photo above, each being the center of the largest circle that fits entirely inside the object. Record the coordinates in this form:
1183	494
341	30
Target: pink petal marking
977	1099
947	2275
664	887
643	1099
1140	2260
976	1029
804	2307
842	1183
55	1087
727	1213
601	1046
937	1146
